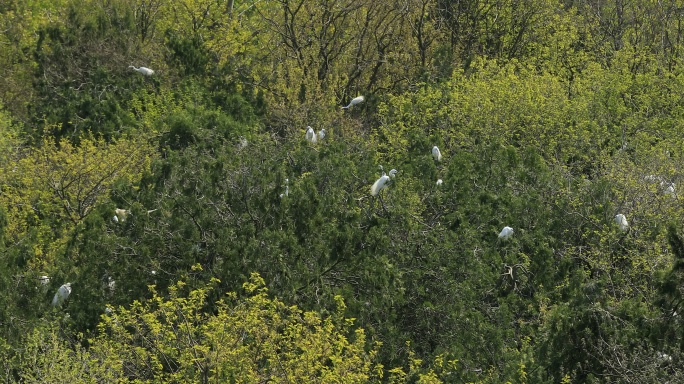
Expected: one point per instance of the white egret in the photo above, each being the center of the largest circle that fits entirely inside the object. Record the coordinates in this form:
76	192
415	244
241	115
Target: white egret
115	219
505	233
321	134
120	214
670	189
44	280
310	135
287	189
243	143
144	70
62	294
393	173
439	182
379	184
436	154
664	357
621	221
354	101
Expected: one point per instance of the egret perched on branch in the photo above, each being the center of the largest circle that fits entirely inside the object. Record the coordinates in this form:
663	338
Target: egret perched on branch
321	134
505	233
354	101
120	214
670	187
287	189
439	182
436	154
621	221
379	184
62	294
111	283
144	70
310	134
393	173
243	143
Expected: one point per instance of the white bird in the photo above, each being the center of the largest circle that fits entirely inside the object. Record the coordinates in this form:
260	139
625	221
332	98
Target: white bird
354	101
321	134
505	233
379	184
120	214
144	70
439	182
670	187
287	189
621	221
62	294
393	173
243	143
111	283
436	154
310	135
44	280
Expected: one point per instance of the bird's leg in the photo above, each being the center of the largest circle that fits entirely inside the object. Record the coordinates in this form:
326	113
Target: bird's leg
382	203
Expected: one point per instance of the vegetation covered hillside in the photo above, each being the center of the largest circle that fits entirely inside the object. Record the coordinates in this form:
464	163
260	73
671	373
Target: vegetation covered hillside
154	155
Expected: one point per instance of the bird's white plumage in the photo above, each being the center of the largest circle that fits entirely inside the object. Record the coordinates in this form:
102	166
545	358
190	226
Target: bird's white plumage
144	70
355	101
379	184
321	134
120	214
436	154
669	187
111	283
310	134
505	233
621	221
62	294
287	189
393	173
439	182
243	143
44	280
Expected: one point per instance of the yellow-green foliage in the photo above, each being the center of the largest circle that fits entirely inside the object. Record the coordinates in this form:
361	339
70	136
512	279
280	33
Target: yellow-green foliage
248	340
256	338
19	21
51	188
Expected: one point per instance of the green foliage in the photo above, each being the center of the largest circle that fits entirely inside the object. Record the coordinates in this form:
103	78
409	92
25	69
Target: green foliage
552	118
249	339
